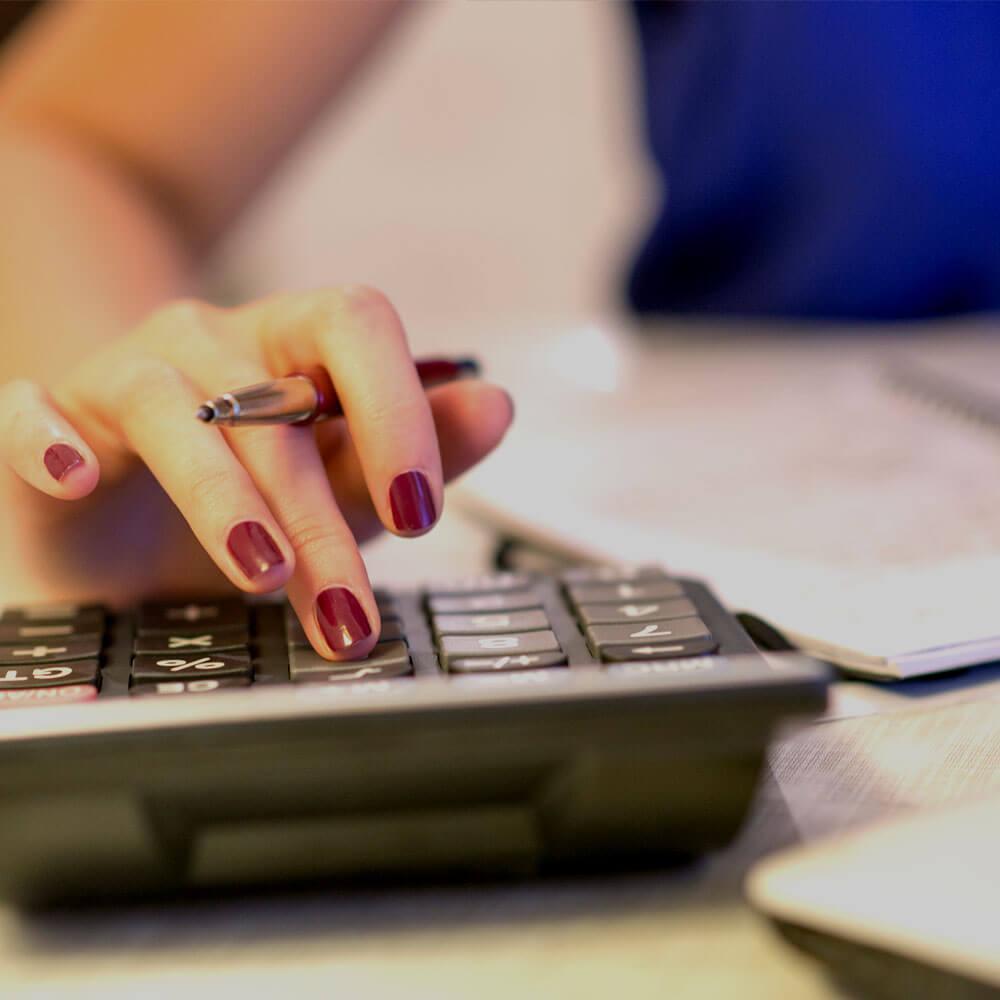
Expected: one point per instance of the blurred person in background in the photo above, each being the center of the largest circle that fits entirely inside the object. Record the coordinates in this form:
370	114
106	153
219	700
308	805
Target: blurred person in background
823	160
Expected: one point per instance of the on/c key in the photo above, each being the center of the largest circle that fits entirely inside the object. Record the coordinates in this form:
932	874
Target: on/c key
37	697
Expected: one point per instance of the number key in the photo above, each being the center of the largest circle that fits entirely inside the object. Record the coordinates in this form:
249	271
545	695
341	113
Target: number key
613	593
508	621
651	632
516	600
461	646
636	611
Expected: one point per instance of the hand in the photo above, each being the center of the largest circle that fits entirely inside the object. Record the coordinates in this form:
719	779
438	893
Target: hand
159	502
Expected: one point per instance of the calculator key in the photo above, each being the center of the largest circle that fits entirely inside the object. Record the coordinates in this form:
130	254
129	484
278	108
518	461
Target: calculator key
650	632
361	673
202	685
613	593
193	642
698	646
486	583
515	600
612	574
506	621
25	632
53	651
512	643
78	614
185	665
156	618
637	611
63	674
495	664
385	603
39	697
387	659
392	630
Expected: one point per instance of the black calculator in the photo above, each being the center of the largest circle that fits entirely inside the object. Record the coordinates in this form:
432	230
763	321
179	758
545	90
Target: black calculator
511	723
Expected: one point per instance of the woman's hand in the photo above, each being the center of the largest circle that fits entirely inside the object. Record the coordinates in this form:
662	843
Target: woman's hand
264	507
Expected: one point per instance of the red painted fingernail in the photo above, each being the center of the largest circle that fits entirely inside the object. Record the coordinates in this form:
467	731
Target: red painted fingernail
412	502
254	549
61	459
341	618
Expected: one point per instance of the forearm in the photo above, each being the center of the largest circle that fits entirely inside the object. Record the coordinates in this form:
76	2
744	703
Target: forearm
84	252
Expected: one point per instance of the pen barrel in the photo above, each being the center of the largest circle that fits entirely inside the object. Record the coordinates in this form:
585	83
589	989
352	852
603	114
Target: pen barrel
290	400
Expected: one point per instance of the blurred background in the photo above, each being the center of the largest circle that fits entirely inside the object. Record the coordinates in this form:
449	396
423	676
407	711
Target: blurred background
489	162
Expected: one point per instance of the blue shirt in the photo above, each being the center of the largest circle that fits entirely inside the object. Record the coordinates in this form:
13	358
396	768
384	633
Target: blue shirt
822	159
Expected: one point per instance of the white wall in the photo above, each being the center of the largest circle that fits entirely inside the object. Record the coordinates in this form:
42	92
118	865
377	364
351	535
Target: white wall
487	165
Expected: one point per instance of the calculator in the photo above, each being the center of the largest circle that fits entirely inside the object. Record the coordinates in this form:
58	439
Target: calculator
504	724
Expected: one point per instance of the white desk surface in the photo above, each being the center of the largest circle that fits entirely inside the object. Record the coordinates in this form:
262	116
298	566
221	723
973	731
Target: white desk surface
684	934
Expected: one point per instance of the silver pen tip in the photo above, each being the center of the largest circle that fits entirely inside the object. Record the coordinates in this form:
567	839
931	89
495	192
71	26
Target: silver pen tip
206	413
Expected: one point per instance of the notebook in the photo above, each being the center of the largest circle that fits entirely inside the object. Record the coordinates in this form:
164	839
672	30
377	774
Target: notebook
841	485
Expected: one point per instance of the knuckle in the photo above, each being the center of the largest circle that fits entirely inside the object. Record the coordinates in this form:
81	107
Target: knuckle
182	312
311	535
352	306
208	487
143	382
20	393
407	415
182	318
366	299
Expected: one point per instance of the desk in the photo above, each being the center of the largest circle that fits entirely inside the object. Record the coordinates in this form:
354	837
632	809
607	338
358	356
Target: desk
681	934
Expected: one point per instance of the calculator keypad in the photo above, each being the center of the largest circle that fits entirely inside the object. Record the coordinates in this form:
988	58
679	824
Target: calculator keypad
40	697
387	659
160	618
642	611
216	641
171	665
33	632
56	675
202	685
495	664
53	651
494	624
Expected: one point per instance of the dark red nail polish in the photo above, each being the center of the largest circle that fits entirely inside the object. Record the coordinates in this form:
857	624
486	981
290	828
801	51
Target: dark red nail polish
61	459
412	502
253	549
341	618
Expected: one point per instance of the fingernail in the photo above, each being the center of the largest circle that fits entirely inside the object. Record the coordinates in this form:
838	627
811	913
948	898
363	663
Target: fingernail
61	459
253	549
411	502
341	618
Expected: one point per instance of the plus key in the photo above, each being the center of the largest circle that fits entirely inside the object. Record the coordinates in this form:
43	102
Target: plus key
56	652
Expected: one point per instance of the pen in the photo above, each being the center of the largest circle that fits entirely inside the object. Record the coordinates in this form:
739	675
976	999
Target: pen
305	397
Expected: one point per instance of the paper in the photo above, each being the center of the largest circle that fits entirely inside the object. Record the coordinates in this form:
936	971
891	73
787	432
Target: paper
791	472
